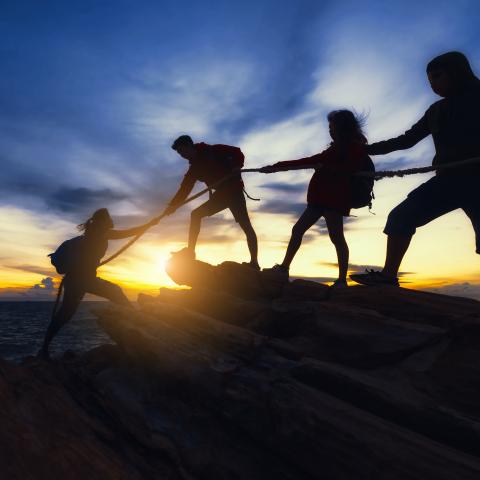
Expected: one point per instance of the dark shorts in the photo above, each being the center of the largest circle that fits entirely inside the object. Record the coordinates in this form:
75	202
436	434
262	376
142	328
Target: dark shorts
322	209
223	199
434	198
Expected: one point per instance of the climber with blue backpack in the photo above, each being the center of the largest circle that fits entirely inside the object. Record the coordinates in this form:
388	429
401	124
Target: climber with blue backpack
78	259
333	189
219	167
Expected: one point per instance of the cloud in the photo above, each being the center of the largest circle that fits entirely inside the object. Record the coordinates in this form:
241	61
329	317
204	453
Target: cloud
199	98
82	198
283	207
465	289
285	187
32	269
46	285
398	163
39	292
96	124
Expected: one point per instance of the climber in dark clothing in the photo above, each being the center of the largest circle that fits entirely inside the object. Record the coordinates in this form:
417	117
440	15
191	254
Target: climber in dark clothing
454	123
210	164
81	278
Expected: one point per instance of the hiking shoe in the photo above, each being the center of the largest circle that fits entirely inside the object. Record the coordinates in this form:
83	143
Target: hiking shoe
255	266
374	278
277	269
185	252
339	283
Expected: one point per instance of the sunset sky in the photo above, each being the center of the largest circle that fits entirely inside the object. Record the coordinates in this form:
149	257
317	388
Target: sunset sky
93	93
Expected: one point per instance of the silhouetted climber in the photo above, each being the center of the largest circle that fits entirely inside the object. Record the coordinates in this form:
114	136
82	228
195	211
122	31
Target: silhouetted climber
329	192
79	259
209	164
454	125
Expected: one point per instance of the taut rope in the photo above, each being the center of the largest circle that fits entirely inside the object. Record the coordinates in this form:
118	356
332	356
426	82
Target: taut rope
376	175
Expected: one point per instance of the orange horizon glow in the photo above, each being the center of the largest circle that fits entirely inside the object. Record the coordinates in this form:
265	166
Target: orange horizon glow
441	254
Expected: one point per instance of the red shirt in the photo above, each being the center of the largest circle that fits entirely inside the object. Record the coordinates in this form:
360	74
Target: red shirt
211	164
330	186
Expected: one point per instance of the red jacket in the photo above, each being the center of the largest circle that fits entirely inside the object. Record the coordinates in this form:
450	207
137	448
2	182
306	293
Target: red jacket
329	186
212	163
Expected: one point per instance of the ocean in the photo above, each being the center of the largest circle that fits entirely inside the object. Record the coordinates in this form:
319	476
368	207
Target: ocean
23	326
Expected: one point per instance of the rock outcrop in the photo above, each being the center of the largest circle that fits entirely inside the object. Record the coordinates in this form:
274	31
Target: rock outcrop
246	376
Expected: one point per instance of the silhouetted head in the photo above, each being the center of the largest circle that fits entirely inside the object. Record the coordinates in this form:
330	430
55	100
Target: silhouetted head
184	146
98	223
345	126
450	74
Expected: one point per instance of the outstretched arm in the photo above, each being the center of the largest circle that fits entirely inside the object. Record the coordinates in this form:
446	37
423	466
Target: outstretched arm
130	232
410	138
185	188
319	158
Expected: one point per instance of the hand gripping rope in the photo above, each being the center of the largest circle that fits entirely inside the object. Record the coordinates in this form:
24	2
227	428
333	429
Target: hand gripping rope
376	175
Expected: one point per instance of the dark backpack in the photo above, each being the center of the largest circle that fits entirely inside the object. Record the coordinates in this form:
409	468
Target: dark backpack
68	255
362	187
230	157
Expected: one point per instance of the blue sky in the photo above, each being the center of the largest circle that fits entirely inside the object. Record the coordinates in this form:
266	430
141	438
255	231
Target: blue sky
92	94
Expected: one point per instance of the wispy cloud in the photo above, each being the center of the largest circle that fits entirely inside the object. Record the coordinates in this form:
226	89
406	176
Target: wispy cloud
95	125
40	292
465	289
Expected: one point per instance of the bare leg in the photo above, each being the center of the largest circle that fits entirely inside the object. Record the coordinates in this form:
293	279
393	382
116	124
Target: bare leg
71	299
335	231
397	246
251	241
308	218
195	223
108	290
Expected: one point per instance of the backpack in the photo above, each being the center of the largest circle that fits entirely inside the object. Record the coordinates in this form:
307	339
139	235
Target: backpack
68	255
362	187
231	157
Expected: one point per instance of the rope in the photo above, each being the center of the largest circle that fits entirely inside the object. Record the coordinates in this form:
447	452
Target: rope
376	175
57	301
163	215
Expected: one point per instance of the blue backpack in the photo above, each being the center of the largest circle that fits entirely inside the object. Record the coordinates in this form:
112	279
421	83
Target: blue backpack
68	255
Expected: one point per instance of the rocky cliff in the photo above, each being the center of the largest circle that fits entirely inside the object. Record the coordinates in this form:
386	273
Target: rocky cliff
247	376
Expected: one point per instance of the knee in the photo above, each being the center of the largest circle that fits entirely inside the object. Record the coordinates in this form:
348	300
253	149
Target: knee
400	222
196	216
117	295
298	231
248	229
338	239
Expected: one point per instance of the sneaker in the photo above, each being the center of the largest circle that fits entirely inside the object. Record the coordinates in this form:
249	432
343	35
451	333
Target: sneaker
255	266
277	269
339	284
374	278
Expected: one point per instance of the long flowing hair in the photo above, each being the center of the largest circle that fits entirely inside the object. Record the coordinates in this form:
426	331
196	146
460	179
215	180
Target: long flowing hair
97	223
348	126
